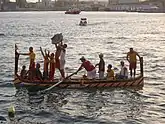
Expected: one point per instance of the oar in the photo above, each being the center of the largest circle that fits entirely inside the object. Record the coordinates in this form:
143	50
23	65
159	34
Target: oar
48	89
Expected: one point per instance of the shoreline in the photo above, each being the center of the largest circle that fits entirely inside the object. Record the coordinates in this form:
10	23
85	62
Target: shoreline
29	10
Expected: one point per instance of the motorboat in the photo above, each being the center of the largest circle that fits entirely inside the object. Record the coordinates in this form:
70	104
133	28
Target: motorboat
83	22
73	11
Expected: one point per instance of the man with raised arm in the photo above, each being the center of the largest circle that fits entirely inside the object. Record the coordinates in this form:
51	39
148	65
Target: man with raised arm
46	63
32	56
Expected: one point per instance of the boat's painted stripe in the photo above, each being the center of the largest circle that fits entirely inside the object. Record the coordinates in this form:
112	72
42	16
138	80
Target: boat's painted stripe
94	85
109	84
121	84
128	83
141	82
115	84
136	83
101	85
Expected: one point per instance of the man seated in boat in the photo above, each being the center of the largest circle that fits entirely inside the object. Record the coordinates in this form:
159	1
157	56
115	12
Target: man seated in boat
110	73
91	71
24	72
123	72
37	72
32	56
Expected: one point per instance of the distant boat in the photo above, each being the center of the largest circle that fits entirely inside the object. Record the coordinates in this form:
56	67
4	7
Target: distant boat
83	22
73	11
2	34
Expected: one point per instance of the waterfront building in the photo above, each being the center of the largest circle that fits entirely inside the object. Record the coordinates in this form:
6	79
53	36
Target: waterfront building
46	3
115	2
131	5
127	1
112	2
21	3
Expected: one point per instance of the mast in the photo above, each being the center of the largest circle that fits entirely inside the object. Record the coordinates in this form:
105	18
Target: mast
141	66
16	59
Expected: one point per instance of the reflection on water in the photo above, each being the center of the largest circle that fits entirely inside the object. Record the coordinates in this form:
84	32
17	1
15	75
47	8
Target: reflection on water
65	106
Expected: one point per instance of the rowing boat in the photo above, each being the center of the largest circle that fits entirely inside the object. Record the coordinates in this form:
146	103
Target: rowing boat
78	83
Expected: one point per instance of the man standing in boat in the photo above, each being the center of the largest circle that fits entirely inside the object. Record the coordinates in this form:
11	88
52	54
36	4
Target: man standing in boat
46	63
101	65
131	57
91	71
60	53
32	56
62	60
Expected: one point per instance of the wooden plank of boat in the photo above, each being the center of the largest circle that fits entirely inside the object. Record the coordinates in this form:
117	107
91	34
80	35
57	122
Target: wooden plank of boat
81	83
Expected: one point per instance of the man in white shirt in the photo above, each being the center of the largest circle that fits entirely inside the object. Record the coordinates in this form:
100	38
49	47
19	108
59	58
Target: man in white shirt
123	72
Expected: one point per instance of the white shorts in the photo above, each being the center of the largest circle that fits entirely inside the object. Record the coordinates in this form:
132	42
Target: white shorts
91	74
62	64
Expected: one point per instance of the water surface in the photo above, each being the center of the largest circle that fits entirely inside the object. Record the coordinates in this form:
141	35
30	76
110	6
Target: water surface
109	33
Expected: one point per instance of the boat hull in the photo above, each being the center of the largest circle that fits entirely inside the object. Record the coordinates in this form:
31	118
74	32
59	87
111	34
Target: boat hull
74	12
79	83
83	24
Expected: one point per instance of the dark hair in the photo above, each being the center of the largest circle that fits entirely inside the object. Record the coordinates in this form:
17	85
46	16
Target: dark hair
109	66
23	66
65	45
52	54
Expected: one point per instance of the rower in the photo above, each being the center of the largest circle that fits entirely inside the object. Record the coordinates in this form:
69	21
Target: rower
91	71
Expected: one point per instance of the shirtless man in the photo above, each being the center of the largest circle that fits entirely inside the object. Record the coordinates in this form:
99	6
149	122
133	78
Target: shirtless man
131	57
32	56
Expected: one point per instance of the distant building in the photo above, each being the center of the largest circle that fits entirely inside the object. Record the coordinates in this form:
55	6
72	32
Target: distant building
67	3
134	6
114	2
10	6
21	3
127	1
3	3
46	3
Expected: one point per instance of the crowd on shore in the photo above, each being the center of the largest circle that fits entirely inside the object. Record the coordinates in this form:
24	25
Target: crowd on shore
53	61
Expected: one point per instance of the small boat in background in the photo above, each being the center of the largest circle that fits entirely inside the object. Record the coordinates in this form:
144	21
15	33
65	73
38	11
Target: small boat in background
83	22
73	11
2	34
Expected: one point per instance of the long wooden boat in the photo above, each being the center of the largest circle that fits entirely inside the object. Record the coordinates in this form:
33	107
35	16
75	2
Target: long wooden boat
78	83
